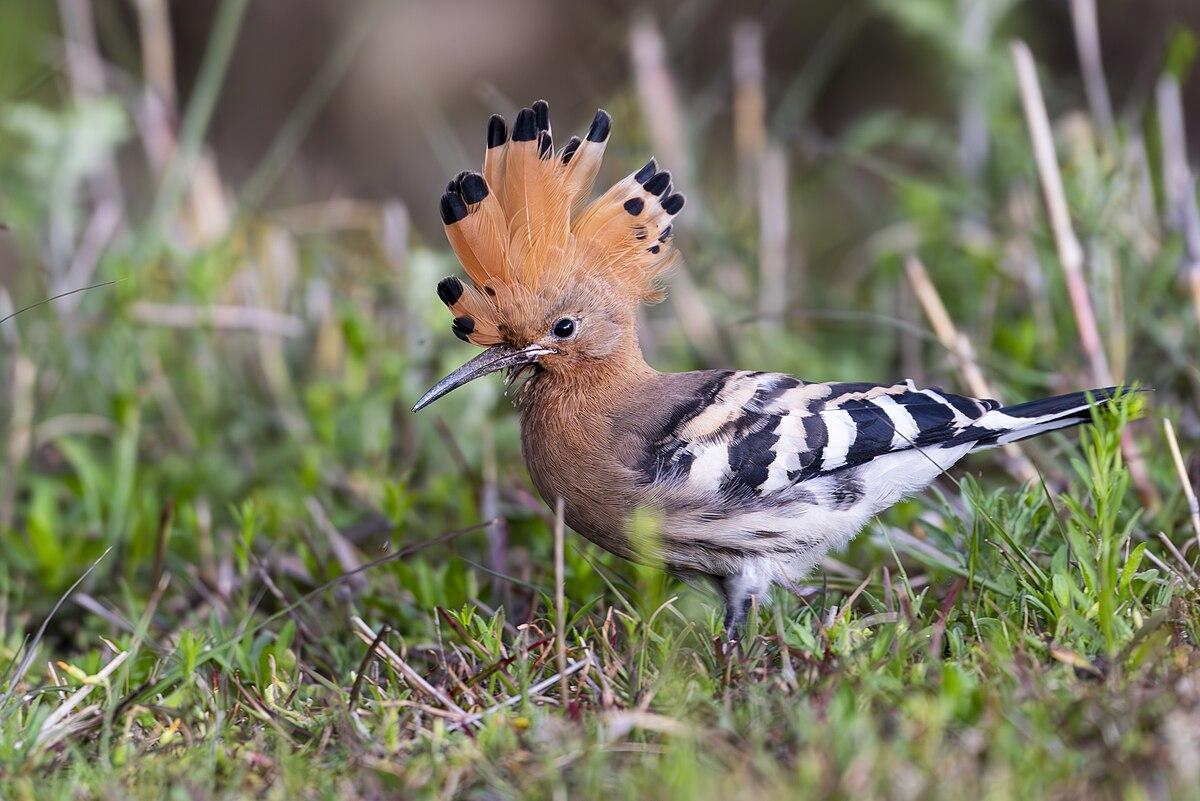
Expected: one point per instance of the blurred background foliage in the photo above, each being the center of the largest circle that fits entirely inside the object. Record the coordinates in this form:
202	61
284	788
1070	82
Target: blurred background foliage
254	184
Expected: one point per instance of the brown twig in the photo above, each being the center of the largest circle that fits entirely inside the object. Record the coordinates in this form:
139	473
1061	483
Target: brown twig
166	515
1171	549
1167	569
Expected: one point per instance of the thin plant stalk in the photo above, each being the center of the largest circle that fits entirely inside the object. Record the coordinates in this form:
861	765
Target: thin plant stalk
560	602
961	351
1070	251
1181	469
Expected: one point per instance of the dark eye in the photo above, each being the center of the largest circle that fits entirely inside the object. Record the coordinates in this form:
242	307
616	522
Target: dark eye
564	328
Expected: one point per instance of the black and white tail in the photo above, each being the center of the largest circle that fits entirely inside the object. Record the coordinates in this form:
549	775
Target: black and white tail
1023	420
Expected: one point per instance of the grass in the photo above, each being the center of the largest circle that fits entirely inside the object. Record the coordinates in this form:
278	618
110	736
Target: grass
235	566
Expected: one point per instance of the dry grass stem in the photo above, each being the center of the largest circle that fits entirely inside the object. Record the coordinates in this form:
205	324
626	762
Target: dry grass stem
959	347
659	98
415	679
343	550
1179	184
660	106
1087	42
22	380
1181	469
1171	549
157	48
773	246
532	692
560	601
58	717
236	318
1070	251
749	103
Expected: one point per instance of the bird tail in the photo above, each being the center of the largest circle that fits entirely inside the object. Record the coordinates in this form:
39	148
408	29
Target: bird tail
1023	420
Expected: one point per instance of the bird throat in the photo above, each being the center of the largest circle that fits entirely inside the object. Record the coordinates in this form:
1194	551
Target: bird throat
586	394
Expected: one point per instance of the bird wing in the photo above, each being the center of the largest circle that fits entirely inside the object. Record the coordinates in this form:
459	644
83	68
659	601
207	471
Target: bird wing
742	436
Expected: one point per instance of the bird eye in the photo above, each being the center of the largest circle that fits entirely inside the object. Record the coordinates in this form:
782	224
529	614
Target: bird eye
564	328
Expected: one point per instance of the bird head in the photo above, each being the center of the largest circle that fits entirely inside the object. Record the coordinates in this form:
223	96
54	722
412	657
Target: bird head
554	281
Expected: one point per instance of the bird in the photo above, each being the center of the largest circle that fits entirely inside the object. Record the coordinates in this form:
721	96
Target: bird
750	478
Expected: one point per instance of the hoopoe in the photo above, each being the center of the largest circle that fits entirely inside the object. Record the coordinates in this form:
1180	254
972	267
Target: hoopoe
751	477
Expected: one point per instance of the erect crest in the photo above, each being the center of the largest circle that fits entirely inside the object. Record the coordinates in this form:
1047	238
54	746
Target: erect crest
524	231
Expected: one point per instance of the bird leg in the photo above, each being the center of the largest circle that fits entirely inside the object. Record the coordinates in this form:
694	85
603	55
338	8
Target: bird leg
736	592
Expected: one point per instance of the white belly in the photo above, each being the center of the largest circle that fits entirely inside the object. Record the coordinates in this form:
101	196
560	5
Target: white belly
792	531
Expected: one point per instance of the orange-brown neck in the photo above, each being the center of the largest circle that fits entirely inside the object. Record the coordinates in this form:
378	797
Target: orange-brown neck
587	391
569	444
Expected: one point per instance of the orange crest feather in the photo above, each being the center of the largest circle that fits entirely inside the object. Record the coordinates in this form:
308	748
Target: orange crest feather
523	233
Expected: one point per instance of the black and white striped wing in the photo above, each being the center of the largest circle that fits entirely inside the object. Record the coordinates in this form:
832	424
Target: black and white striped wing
751	435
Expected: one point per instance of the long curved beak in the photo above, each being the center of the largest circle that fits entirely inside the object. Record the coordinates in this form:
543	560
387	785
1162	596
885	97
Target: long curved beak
497	357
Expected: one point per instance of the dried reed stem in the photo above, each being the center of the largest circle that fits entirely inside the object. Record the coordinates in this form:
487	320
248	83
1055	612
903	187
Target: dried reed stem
1070	251
1087	42
1188	492
1179	182
103	224
959	347
84	65
974	30
158	51
749	103
659	101
773	235
560	601
659	98
86	71
1177	177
